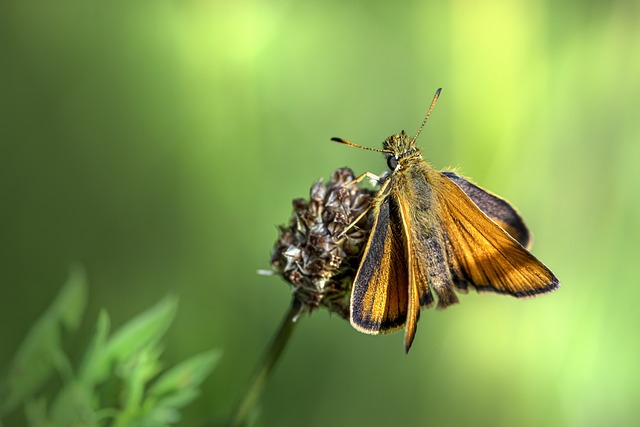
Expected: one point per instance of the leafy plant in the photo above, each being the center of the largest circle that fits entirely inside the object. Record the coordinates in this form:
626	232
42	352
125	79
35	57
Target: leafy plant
119	380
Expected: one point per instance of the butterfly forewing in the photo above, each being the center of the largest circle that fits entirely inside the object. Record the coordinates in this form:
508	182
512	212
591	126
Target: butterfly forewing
379	294
417	278
483	255
496	208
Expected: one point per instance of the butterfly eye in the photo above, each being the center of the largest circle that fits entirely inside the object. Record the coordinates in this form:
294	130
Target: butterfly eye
392	162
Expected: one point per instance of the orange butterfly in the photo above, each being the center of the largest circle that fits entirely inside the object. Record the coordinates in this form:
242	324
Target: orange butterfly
435	231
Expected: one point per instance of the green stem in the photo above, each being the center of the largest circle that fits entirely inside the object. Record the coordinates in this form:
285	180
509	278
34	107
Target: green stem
265	367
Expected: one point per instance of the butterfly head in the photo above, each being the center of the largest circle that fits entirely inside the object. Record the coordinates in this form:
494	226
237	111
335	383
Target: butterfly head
399	148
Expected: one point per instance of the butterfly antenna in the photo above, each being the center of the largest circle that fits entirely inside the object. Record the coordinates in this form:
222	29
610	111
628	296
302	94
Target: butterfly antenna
345	142
433	104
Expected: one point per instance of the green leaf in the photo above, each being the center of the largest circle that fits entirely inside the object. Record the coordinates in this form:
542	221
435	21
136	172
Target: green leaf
179	385
72	301
72	407
41	351
178	399
136	372
144	329
94	368
135	350
172	390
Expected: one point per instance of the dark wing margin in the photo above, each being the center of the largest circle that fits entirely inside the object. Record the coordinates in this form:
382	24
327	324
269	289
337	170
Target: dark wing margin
380	289
496	208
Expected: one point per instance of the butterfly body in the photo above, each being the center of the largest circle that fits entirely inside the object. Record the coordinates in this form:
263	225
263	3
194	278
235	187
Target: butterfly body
436	233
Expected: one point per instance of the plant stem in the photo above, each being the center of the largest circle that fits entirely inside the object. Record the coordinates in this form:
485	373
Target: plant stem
265	367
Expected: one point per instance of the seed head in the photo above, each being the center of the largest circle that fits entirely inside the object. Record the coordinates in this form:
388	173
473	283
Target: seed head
320	266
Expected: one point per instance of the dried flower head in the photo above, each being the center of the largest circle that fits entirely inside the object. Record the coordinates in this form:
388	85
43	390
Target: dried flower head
309	255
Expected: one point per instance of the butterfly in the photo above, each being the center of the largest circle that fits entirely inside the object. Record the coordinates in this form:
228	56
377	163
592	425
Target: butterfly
435	232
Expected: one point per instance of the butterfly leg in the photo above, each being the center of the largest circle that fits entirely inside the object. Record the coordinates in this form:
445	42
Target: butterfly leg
384	186
354	222
373	178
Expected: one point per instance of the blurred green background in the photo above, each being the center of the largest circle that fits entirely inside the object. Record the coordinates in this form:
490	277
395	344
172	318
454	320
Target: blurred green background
158	143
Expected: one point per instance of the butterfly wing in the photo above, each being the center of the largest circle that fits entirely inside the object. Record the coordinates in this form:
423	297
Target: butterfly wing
496	208
379	294
482	254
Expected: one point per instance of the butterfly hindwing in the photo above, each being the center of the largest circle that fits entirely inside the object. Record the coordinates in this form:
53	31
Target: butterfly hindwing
379	294
482	254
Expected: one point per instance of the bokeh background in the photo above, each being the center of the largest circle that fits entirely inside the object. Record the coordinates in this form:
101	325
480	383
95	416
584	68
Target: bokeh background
159	143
